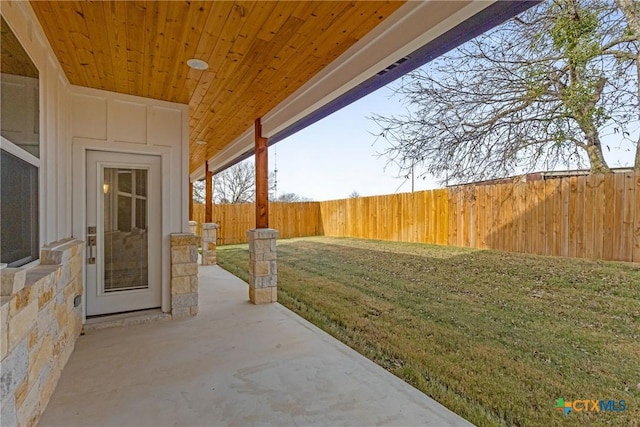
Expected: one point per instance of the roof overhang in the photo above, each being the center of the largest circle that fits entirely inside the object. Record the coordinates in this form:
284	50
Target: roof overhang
289	63
398	45
258	52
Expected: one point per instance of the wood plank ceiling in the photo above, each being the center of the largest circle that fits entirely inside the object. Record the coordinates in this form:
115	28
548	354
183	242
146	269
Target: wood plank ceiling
258	52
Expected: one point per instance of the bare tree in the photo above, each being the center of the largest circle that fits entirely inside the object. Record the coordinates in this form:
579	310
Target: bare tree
536	92
233	185
290	198
354	194
631	11
237	185
199	191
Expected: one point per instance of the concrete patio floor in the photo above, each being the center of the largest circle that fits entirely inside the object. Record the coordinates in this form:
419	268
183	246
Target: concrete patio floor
234	364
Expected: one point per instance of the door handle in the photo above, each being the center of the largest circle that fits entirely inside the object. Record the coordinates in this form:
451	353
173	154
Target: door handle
91	245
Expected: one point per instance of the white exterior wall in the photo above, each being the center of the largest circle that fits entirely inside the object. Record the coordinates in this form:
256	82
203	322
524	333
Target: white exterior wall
55	174
109	121
74	119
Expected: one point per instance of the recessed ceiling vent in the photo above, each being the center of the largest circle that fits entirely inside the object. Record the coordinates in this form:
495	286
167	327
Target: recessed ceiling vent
394	65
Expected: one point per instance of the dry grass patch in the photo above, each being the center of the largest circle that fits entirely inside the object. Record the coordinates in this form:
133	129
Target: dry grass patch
495	337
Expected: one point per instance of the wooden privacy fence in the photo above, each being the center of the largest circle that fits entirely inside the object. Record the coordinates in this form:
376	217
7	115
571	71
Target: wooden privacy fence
409	217
290	219
594	216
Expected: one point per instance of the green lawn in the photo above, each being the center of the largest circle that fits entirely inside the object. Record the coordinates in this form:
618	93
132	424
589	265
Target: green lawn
495	337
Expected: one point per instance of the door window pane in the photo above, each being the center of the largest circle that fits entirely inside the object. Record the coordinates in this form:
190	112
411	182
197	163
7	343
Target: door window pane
124	213
141	214
125	240
141	183
124	181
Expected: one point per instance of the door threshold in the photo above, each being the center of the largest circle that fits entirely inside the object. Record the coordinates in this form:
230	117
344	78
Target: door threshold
124	319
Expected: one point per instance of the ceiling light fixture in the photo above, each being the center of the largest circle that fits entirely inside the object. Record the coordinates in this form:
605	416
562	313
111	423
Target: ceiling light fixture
200	142
197	64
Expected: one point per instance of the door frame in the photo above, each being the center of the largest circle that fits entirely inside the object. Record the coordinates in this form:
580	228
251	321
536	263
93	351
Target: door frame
100	301
79	201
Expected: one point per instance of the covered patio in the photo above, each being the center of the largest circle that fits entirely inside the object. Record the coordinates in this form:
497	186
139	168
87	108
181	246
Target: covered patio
111	110
233	364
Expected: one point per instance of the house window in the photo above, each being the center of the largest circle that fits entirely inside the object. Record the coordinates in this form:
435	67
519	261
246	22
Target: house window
19	153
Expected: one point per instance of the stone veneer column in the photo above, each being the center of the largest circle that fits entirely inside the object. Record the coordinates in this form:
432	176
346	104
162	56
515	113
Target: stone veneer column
263	271
209	235
184	275
193	226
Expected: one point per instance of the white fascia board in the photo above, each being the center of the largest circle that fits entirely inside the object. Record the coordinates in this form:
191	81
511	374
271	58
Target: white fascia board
239	147
396	37
197	174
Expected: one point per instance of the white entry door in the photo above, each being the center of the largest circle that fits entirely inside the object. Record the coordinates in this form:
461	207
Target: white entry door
124	235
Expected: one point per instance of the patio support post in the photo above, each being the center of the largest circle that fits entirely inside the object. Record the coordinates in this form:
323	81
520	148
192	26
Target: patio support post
208	194
263	273
262	178
190	200
208	228
209	233
193	225
184	275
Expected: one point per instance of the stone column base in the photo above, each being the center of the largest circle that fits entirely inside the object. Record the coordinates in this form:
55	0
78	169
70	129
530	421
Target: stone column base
263	268
184	275
263	295
209	236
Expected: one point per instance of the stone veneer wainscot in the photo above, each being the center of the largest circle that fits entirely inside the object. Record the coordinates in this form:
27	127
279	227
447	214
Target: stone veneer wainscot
41	321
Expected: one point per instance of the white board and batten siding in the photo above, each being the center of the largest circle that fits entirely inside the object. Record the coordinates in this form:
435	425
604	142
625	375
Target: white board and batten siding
108	121
75	119
53	126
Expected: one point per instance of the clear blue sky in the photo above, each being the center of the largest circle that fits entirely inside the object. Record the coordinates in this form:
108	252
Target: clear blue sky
337	155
